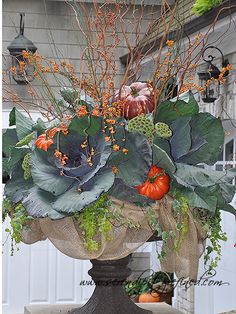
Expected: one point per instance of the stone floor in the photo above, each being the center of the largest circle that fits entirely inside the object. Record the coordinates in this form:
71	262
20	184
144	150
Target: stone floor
156	308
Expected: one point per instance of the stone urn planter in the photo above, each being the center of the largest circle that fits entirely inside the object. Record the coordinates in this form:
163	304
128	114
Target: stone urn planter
109	296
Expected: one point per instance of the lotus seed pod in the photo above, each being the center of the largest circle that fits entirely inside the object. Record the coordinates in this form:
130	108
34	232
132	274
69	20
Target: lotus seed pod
142	125
27	174
26	166
163	130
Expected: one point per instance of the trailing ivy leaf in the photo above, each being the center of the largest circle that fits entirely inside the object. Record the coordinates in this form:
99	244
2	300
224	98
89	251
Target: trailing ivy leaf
181	140
24	125
38	203
134	166
170	110
47	176
207	137
75	200
161	159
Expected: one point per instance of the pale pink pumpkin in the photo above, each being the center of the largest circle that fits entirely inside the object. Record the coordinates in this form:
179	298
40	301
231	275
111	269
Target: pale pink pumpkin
138	99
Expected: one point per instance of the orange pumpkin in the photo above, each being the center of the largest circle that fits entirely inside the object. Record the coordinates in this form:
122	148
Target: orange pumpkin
149	297
45	140
157	184
53	131
137	98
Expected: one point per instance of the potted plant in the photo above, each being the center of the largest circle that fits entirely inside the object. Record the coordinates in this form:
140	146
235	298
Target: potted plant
106	168
137	287
162	283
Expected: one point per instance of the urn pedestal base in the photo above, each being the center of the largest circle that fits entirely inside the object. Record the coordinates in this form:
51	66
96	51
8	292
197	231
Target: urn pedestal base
109	296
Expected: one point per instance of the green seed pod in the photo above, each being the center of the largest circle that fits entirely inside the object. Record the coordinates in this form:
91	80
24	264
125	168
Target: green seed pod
27	174
26	140
143	125
26	166
163	130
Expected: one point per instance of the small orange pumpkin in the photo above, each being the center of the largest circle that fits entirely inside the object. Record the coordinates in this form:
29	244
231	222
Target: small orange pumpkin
157	184
43	143
45	140
149	297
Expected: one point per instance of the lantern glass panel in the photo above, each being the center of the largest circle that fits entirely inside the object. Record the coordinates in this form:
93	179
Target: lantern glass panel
210	90
22	71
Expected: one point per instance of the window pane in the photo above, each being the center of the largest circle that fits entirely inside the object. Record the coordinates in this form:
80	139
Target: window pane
229	150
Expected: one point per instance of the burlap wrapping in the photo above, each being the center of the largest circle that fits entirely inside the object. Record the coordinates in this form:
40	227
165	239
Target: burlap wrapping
68	237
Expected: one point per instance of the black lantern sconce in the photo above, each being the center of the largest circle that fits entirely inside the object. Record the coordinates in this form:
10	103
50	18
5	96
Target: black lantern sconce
209	75
22	71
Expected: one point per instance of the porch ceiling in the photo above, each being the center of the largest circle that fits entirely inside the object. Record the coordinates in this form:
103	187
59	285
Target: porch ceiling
137	2
192	25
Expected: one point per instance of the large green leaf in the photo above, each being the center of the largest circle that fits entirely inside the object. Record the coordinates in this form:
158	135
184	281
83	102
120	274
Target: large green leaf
87	125
207	136
38	203
95	124
170	110
181	140
210	198
79	125
9	138
47	176
126	193
161	159
202	198
75	200
16	157
191	176
133	167
162	143
229	208
24	125
16	187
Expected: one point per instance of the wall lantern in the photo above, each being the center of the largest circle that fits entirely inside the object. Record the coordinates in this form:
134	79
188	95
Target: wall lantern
22	71
211	87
